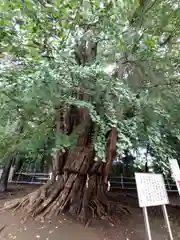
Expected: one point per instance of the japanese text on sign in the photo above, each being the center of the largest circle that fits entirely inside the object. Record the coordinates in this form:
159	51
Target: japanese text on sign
151	189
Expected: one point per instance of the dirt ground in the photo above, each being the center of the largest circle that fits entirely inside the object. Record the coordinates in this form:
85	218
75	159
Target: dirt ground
130	227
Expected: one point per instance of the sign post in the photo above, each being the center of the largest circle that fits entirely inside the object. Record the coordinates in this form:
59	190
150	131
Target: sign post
152	192
147	225
167	221
175	172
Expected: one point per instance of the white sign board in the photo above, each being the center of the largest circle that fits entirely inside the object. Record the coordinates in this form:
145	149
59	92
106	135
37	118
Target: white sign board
175	172
151	189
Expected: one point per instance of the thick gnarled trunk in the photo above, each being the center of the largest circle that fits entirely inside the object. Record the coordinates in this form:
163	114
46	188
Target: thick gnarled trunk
78	183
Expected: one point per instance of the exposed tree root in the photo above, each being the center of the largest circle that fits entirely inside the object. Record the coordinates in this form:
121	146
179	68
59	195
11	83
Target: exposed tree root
84	199
2	228
79	187
79	184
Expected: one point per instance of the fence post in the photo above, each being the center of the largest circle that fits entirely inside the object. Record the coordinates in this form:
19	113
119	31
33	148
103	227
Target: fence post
122	181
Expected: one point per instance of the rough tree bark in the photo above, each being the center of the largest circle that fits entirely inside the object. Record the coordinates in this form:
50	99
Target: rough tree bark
78	184
42	165
9	159
18	163
5	174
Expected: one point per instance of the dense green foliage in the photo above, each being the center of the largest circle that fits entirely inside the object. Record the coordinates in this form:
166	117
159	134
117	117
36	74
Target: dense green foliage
39	74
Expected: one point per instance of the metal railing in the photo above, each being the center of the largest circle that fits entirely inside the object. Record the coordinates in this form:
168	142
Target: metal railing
117	182
30	178
121	182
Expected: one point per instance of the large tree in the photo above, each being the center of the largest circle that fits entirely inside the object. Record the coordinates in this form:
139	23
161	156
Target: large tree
54	76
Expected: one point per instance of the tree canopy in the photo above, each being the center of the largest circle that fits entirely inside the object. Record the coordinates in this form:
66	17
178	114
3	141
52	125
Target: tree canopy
41	71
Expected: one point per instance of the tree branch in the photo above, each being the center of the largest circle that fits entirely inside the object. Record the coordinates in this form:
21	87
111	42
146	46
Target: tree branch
141	10
168	84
